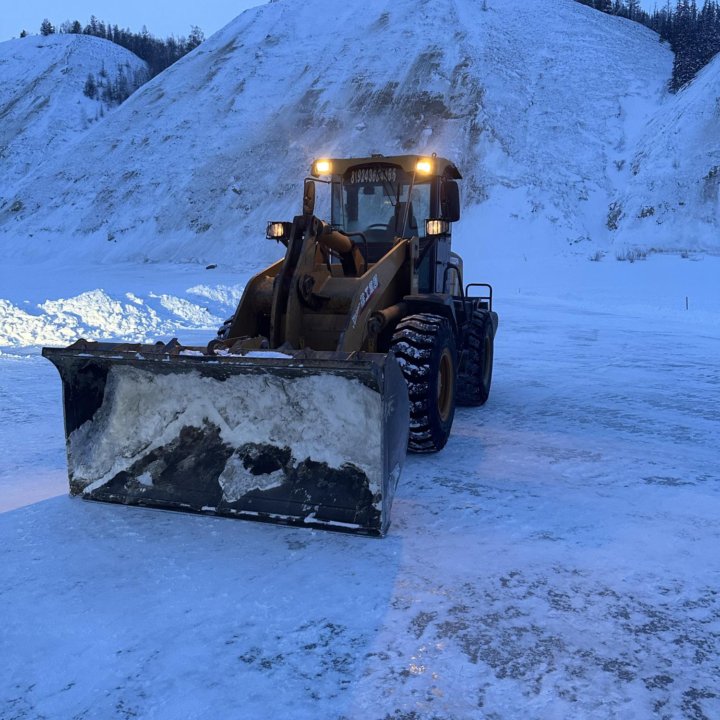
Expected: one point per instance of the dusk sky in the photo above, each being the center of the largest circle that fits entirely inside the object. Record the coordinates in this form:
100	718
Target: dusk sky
162	17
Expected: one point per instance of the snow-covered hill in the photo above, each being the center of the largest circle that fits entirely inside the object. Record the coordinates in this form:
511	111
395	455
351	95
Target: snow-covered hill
540	104
43	111
673	193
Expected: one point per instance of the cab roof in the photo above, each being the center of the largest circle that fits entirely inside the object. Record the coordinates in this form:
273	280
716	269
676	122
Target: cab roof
407	163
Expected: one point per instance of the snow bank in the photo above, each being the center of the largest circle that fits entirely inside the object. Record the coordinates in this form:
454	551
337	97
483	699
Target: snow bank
50	304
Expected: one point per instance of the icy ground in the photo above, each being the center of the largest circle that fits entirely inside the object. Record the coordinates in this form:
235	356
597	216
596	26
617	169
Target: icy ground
558	560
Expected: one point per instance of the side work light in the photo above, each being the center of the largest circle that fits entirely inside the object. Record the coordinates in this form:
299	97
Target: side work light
436	227
279	231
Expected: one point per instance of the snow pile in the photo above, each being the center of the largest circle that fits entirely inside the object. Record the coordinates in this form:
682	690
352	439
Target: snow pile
189	313
113	312
95	315
144	411
227	294
43	108
513	94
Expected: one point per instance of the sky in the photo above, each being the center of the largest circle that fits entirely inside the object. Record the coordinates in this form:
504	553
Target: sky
162	17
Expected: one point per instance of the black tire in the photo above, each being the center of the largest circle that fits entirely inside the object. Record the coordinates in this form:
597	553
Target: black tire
475	374
424	346
223	332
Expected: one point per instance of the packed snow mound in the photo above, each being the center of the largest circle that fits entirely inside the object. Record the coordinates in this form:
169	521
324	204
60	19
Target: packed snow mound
99	314
43	109
538	103
673	195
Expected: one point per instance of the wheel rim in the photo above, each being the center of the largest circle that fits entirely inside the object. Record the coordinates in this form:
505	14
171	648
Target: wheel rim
445	382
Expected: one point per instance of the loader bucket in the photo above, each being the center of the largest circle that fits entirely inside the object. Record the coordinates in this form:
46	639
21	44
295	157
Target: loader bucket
310	438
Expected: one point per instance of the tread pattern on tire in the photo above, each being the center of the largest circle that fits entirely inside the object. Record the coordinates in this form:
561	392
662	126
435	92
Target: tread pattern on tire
471	389
413	343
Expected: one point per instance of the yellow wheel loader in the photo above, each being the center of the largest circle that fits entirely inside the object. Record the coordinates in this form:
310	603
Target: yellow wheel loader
350	350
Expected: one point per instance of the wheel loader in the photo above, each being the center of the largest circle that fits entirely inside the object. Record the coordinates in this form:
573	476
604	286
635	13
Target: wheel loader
348	351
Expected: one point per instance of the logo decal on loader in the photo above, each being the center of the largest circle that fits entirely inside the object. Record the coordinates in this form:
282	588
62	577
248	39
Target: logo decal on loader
367	293
373	175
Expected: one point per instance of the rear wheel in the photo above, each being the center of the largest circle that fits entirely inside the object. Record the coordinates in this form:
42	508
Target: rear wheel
475	374
424	345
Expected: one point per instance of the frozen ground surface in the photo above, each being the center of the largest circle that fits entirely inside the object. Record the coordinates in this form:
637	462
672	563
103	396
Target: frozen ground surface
558	560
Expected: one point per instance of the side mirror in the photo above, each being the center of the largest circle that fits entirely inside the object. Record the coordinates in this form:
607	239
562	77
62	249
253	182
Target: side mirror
450	201
309	197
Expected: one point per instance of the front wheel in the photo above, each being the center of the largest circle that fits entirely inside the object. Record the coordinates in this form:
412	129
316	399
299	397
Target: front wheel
223	332
424	345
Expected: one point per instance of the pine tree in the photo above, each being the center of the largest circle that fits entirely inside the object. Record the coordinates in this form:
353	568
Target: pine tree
196	37
158	54
686	63
633	9
708	32
90	89
92	27
46	27
121	89
694	35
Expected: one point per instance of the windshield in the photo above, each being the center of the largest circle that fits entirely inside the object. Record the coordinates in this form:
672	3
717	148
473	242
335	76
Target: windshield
381	203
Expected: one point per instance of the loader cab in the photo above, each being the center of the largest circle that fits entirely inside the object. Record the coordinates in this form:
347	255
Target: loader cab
382	199
376	205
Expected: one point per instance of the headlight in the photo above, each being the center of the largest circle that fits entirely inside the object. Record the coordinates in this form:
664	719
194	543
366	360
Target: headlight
424	166
322	167
437	227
